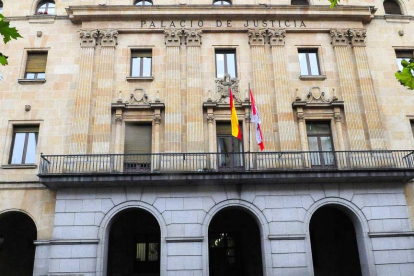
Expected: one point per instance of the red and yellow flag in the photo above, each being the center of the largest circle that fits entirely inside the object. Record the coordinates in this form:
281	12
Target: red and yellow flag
235	128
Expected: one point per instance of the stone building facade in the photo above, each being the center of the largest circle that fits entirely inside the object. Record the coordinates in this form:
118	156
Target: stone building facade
113	70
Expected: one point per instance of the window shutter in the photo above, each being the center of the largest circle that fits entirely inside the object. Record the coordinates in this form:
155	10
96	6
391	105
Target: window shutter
36	63
137	138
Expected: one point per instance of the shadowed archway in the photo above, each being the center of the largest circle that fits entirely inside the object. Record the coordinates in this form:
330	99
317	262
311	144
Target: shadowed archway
17	250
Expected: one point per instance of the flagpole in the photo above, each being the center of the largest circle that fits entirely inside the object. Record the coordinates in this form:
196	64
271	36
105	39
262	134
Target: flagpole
250	115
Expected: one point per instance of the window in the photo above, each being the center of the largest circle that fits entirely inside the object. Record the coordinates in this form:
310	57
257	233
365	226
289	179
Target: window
24	145
222	3
320	144
143	3
138	139
226	63
403	55
36	65
299	2
1	6
230	148
308	61
392	7
46	7
141	63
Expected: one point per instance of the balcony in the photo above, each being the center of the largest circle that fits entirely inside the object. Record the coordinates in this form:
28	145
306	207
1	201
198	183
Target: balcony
249	167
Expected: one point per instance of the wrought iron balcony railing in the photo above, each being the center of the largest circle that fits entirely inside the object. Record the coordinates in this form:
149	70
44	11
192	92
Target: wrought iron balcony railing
225	162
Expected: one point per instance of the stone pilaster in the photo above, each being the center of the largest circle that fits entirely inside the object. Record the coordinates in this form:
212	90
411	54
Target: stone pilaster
287	130
195	128
349	90
173	116
102	111
81	115
375	128
261	86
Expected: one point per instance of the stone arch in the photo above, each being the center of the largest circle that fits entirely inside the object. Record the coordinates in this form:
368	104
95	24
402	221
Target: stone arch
20	211
258	216
105	227
360	222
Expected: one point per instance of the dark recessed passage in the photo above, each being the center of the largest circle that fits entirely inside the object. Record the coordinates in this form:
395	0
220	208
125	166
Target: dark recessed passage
334	244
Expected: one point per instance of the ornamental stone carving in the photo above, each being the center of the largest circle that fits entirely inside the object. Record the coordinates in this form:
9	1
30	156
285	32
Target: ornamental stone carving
141	99
88	38
316	96
357	37
223	89
173	37
210	119
277	37
257	36
339	37
193	37
109	37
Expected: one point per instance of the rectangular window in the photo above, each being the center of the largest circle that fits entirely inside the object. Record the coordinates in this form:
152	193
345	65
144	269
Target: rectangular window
147	248
226	63
36	65
24	143
137	147
320	144
403	55
308	61
141	63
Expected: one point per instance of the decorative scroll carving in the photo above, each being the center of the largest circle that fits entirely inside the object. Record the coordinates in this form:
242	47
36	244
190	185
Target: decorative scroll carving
193	37
338	117
357	37
138	100
109	37
118	119
210	119
257	36
173	37
339	37
223	86
300	116
88	38
277	37
157	119
313	96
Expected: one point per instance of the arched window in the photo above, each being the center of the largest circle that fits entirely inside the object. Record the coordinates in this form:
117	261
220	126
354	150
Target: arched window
222	3
1	6
299	3
392	7
143	3
46	7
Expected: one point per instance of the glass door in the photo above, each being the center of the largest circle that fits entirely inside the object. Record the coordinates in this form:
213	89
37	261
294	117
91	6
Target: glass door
229	148
320	144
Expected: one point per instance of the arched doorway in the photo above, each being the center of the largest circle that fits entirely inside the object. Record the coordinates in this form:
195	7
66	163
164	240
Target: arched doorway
334	243
134	244
17	250
234	244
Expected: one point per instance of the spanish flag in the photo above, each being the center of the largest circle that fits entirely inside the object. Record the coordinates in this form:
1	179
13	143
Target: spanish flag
235	128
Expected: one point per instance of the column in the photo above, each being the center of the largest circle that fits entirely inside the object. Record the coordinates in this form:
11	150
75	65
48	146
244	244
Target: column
349	90
173	116
288	132
81	115
118	131
261	86
195	129
102	116
375	128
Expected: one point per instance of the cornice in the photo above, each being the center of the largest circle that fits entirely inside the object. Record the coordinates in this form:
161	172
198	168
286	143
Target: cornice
85	13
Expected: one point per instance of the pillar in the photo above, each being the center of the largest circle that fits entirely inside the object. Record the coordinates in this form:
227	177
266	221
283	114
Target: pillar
287	129
173	116
261	86
82	110
195	129
375	128
102	111
354	120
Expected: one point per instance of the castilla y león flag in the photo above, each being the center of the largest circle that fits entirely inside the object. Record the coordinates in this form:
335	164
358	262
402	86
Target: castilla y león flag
256	121
235	128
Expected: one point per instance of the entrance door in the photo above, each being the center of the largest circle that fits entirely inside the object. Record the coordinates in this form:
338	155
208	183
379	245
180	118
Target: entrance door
137	147
230	149
320	144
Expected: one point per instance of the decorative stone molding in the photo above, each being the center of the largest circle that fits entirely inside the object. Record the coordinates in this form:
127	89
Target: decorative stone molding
339	37
142	99
193	37
88	38
173	37
109	37
277	37
300	116
223	89
210	119
257	36
316	96
357	37
157	119
338	117
118	119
